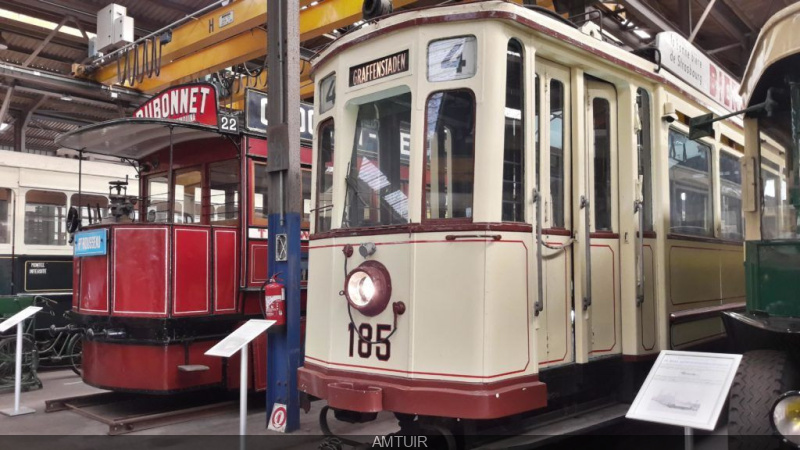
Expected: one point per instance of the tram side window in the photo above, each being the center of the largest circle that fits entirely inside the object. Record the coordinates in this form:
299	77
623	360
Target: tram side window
377	182
223	196
601	122
690	186
188	196
644	144
260	196
450	155
730	179
157	200
514	153
557	152
5	209
90	206
45	218
325	177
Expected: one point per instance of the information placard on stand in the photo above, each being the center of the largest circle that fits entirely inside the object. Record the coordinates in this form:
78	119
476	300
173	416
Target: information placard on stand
237	342
18	319
686	389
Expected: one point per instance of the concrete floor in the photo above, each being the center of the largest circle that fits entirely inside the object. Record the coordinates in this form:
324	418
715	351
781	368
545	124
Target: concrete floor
210	431
64	383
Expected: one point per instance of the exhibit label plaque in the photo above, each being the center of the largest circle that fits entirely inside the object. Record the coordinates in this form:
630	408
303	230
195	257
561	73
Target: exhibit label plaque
686	389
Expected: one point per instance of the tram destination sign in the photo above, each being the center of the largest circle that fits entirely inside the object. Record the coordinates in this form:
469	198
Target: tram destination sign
256	115
192	103
379	68
688	63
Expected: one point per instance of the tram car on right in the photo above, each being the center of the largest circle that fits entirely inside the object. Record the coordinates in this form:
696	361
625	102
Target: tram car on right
509	216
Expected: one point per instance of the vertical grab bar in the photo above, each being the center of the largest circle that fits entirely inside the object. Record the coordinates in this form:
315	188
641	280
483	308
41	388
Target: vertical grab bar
587	296
539	305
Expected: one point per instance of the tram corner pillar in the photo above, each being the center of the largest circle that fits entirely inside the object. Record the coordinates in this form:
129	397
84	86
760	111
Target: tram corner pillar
284	353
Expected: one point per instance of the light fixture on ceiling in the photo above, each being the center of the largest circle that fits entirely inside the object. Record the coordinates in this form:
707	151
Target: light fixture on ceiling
66	98
3	43
4	126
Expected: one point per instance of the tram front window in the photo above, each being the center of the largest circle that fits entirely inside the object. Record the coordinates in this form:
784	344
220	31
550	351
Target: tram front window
377	179
223	195
449	155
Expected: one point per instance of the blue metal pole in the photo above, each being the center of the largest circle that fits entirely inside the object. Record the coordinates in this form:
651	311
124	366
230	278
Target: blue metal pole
283	347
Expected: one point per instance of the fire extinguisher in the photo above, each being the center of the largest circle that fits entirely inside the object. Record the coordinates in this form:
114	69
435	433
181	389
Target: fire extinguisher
275	302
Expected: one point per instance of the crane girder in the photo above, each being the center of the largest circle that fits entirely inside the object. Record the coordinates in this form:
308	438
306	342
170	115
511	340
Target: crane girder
201	47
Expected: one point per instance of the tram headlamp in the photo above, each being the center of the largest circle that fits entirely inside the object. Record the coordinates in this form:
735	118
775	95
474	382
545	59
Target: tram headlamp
368	288
785	417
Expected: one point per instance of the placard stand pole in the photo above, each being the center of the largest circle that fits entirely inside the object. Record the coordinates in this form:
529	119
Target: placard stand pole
688	438
243	396
18	411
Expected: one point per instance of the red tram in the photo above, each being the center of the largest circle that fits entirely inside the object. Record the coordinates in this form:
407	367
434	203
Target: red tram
168	274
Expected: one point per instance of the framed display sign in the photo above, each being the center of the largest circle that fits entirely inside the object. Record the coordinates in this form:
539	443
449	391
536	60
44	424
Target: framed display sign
686	389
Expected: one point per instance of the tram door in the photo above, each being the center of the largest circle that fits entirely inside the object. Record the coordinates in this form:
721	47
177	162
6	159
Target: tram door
553	182
602	177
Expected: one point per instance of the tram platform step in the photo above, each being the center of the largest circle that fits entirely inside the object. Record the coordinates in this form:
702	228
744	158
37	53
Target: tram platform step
547	432
193	368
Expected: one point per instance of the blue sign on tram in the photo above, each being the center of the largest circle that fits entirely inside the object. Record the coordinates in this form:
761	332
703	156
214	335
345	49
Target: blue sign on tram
91	243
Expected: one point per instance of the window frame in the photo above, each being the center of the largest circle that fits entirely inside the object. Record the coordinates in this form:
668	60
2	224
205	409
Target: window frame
725	151
711	145
11	214
523	214
424	137
63	221
317	177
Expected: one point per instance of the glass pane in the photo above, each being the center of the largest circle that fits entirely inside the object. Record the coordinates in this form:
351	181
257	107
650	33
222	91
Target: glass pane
601	124
774	195
449	155
260	189
690	186
731	190
188	196
156	202
325	177
452	59
557	152
45	218
5	208
94	208
644	144
223	198
536	139
514	153
377	182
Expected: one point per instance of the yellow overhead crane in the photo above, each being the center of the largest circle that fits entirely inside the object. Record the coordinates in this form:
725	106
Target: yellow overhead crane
201	47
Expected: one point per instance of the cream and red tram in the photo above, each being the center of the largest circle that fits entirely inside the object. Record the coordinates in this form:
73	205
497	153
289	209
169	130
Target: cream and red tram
509	213
176	269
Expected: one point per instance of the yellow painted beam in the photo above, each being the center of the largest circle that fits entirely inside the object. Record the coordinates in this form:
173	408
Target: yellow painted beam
198	49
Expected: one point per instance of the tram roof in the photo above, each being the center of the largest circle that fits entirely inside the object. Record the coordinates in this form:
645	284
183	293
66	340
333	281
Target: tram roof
133	138
778	40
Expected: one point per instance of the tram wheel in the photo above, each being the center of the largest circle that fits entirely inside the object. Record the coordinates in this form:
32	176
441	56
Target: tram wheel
75	352
30	359
763	375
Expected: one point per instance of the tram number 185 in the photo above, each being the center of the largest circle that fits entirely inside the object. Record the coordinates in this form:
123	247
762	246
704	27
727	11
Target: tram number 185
370	338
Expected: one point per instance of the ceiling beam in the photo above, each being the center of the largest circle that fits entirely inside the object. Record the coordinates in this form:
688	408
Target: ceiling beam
54	10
